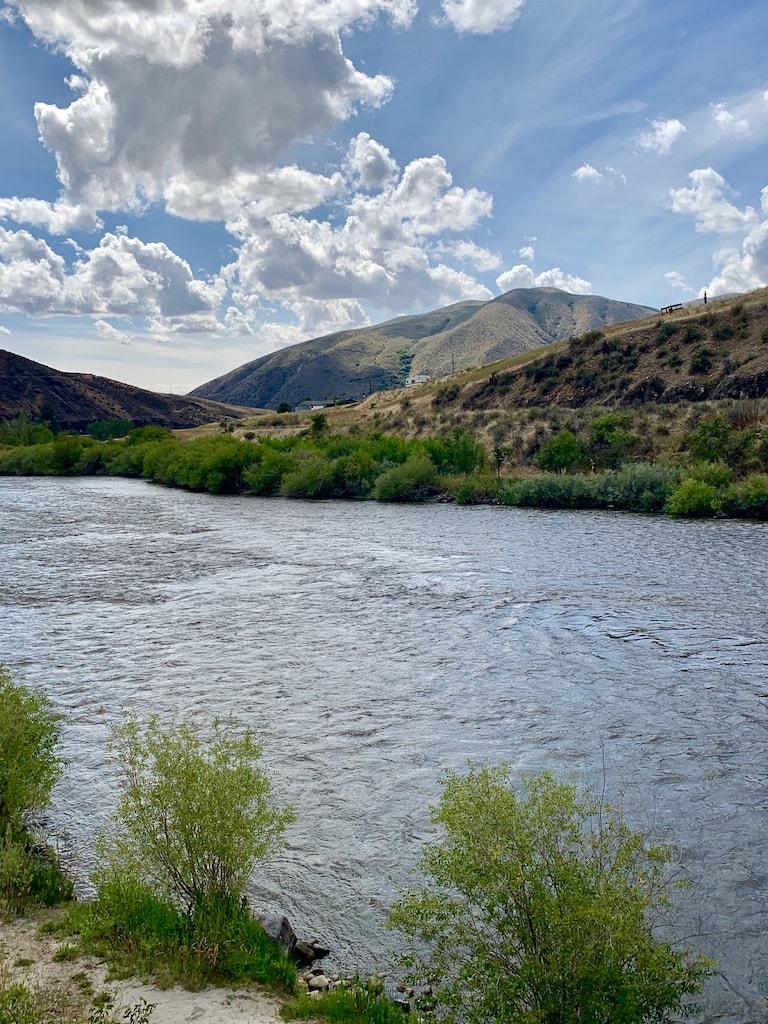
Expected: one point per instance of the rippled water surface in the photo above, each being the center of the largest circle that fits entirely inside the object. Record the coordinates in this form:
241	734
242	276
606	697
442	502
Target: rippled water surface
377	645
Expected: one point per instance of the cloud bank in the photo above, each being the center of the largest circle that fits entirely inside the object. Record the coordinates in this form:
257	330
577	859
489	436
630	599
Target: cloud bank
196	107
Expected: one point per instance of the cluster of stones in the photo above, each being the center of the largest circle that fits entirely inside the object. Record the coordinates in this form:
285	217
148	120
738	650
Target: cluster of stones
316	979
318	982
423	999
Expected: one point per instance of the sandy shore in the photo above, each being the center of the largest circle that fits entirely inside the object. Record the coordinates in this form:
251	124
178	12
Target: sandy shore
28	957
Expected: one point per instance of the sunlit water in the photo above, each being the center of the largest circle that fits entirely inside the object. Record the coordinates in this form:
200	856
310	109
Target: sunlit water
377	645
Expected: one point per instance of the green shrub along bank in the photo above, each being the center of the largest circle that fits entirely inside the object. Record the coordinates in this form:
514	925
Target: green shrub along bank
719	471
538	909
196	815
30	872
311	466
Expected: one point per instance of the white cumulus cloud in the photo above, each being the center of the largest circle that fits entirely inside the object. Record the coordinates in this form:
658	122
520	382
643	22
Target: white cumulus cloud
662	135
738	269
109	332
522	276
607	176
728	123
184	96
196	107
237	322
706	201
121	277
676	280
32	275
368	163
387	243
587	173
471	254
741	270
481	17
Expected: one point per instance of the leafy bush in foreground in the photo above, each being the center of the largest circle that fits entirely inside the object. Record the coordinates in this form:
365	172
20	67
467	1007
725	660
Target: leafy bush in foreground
539	907
29	767
196	813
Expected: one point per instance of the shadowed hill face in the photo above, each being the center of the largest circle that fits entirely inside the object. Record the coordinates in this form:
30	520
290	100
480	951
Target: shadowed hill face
351	364
715	351
73	400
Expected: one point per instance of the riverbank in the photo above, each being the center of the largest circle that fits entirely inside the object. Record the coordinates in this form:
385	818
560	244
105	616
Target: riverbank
70	987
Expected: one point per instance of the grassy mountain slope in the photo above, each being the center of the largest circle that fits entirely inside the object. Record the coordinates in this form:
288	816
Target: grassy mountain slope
352	364
73	400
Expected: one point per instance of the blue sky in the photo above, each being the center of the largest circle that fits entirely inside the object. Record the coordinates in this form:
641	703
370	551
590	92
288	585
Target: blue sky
186	185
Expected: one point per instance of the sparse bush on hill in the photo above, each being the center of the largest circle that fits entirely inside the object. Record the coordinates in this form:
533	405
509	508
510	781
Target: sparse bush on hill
692	333
701	360
445	395
723	331
665	331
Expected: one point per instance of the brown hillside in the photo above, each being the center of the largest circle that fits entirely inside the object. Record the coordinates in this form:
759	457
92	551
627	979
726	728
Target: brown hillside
351	364
73	400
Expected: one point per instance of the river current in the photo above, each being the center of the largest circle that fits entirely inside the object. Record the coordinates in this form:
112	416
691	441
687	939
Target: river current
376	645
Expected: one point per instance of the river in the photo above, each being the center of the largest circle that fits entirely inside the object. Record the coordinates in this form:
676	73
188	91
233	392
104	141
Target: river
376	645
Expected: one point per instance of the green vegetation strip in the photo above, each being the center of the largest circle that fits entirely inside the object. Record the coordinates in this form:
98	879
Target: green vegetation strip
718	470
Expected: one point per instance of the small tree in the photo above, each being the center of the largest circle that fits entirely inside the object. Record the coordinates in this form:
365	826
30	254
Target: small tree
539	909
319	426
562	452
196	812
